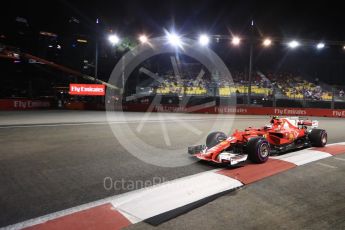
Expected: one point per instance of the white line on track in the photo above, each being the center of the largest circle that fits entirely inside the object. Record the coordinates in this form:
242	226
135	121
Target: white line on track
170	120
339	159
93	123
326	165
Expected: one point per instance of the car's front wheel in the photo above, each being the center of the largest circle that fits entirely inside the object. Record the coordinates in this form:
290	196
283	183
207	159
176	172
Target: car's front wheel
215	138
258	149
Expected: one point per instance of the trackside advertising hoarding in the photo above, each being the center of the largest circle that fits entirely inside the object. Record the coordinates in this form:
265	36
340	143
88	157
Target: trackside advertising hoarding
243	110
87	89
23	104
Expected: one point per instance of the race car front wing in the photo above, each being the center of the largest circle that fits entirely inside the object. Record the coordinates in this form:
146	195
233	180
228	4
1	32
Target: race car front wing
224	157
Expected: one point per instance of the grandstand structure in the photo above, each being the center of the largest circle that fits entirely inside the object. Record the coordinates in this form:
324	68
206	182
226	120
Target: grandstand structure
294	86
265	85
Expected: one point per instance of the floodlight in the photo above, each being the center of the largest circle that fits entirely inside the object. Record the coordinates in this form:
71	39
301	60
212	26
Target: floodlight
293	44
204	40
235	40
114	39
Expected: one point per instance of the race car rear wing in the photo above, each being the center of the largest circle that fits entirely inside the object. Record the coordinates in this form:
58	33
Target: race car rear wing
298	121
312	123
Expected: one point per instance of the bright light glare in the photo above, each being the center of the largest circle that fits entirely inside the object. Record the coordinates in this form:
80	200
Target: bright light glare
293	44
267	42
174	39
204	40
143	39
114	39
236	41
320	45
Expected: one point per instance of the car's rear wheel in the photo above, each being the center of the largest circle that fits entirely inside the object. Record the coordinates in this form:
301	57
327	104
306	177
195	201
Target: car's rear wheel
318	137
258	149
215	138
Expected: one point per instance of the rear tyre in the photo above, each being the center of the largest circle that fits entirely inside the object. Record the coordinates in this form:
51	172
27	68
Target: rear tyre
215	138
318	137
258	149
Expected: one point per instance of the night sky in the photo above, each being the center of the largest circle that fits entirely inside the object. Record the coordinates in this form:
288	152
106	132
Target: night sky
311	19
282	20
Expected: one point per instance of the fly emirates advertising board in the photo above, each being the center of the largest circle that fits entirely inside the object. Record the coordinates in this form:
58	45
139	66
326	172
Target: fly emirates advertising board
87	89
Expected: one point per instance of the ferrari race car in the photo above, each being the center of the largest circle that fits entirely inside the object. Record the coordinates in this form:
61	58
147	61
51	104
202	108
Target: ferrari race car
257	144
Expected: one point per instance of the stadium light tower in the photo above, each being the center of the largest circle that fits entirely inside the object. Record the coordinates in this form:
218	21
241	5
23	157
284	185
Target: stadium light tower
114	39
143	39
235	40
320	45
293	44
204	40
267	42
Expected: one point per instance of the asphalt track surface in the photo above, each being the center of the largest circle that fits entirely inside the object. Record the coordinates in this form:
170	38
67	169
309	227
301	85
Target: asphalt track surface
54	160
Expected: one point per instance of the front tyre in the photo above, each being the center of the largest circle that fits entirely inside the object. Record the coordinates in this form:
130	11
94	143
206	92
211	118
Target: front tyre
215	138
258	149
318	137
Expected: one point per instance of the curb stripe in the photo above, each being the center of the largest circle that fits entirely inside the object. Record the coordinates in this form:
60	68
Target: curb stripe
254	172
163	217
334	149
174	194
100	217
303	156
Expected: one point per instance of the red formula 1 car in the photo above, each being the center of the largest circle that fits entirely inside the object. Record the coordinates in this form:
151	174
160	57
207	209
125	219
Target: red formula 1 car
280	135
